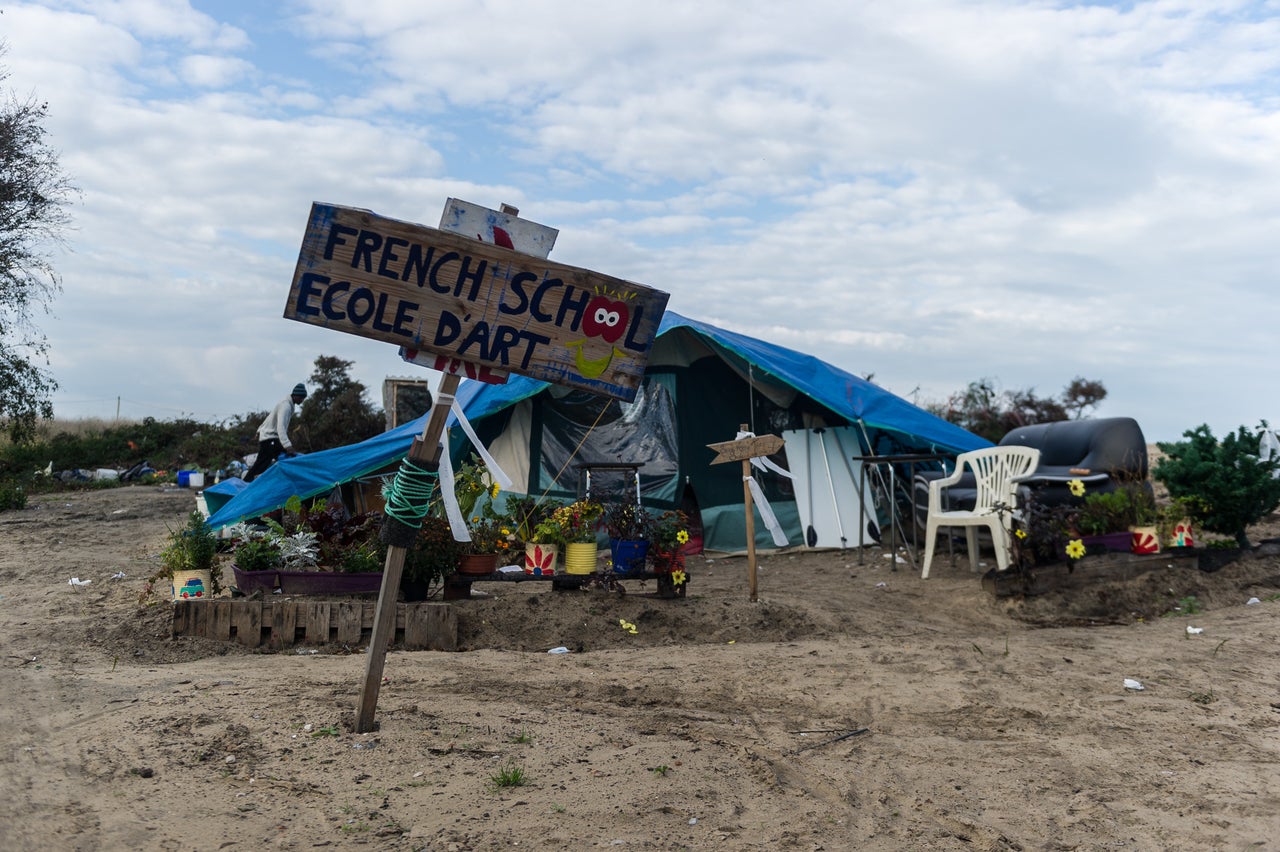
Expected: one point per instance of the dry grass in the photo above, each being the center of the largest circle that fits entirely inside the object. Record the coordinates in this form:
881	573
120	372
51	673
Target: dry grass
76	428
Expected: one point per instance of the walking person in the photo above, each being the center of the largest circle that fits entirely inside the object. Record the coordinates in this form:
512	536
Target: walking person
273	434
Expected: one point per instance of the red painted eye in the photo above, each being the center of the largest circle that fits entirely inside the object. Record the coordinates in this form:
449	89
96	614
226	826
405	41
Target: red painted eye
605	318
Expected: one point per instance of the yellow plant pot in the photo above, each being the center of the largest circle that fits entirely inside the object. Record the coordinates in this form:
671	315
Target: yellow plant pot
580	558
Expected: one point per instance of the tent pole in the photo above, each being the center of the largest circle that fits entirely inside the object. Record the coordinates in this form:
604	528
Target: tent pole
425	451
751	525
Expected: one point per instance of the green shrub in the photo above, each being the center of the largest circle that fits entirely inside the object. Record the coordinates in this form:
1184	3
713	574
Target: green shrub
1231	487
12	496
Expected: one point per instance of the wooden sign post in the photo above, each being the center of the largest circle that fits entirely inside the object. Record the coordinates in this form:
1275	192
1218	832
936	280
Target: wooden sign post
425	452
744	450
485	305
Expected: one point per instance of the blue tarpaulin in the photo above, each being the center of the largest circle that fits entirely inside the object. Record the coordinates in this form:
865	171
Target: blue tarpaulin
845	394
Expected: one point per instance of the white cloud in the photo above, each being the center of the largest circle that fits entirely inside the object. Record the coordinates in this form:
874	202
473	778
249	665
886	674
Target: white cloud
931	191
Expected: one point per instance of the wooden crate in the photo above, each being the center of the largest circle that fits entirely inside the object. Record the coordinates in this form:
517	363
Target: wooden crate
284	623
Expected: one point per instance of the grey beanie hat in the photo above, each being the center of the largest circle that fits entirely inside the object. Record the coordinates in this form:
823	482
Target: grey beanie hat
299	390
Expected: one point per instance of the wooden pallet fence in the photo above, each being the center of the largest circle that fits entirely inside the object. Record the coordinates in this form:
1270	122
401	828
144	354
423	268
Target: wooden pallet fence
283	624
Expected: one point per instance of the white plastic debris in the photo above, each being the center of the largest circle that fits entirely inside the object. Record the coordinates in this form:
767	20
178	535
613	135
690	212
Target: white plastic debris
1135	685
1195	631
693	821
76	581
559	650
1252	601
119	575
882	585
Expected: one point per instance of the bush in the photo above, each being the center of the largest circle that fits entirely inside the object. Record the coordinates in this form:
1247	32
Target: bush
12	496
1231	487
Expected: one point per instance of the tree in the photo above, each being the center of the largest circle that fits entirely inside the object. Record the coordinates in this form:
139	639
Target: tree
335	413
984	410
33	196
1229	486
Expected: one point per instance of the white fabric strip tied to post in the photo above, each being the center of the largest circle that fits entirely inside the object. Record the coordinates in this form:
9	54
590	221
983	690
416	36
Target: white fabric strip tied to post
498	474
757	494
452	510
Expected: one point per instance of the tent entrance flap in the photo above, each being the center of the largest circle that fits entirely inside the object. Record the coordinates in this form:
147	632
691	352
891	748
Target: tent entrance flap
826	485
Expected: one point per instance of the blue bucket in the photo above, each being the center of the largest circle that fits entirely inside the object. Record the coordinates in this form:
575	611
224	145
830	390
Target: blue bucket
628	556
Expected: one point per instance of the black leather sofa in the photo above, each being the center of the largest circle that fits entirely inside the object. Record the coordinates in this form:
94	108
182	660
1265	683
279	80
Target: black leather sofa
1101	452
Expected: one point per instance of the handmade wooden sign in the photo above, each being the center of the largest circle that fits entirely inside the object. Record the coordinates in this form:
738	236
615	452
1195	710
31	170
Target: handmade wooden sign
746	448
451	295
479	308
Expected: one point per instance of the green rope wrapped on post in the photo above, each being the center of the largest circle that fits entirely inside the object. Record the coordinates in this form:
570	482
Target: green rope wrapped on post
408	497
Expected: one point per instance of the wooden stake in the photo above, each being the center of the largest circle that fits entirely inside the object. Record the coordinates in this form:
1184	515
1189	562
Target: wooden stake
751	524
425	449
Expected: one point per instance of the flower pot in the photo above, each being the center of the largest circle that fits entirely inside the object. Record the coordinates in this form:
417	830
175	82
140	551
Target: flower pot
629	555
415	589
255	581
329	582
1180	535
1120	542
191	585
580	557
1146	539
666	561
478	564
540	559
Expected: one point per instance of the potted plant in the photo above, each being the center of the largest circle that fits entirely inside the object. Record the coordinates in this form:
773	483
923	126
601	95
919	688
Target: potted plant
1104	519
1173	521
432	558
1145	529
491	539
575	525
541	539
255	559
188	561
668	535
320	550
628	526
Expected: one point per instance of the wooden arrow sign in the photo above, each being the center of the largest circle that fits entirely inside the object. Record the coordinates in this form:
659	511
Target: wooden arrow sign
746	448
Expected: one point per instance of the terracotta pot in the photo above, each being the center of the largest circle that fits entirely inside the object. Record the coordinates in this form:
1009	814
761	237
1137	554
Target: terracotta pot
666	561
540	559
478	564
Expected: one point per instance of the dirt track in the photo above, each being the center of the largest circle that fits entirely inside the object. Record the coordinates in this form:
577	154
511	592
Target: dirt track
717	725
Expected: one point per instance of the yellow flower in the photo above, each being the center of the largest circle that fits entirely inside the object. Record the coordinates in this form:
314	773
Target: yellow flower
682	536
678	577
1075	548
1077	487
493	492
1021	533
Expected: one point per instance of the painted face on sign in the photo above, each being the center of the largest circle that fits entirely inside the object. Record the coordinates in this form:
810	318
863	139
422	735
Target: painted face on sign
605	318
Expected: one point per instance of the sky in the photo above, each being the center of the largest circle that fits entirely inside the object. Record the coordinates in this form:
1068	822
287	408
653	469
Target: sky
928	192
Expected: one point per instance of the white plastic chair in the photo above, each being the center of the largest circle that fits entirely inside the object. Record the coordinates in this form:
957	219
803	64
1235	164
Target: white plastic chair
998	471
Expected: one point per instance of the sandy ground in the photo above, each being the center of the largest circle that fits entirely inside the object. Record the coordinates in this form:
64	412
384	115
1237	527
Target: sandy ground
853	706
